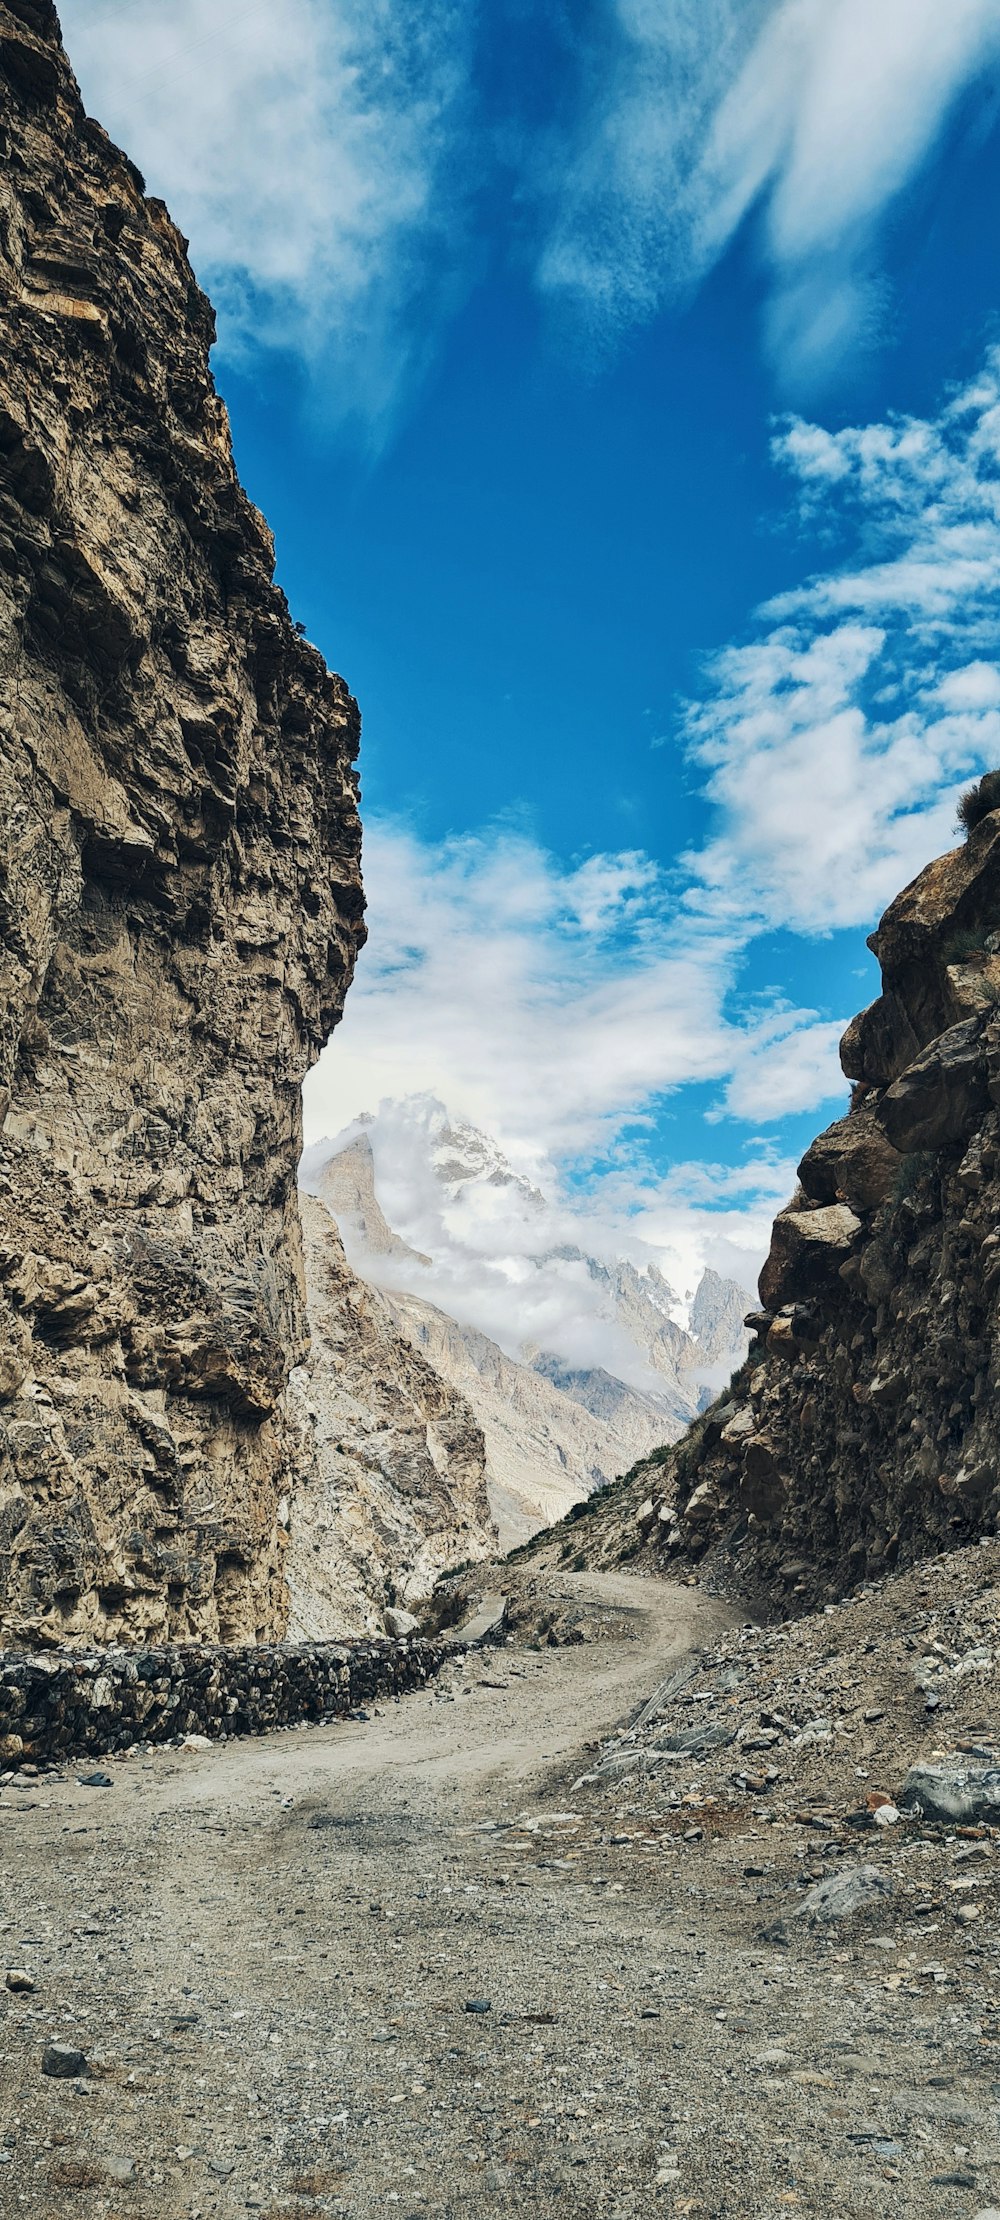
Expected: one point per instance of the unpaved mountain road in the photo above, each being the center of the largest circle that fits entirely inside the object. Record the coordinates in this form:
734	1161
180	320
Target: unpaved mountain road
267	1953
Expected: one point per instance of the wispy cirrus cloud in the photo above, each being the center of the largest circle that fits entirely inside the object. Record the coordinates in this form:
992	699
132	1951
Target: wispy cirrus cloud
816	113
307	150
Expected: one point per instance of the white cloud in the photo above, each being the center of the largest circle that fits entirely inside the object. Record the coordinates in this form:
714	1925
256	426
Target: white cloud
556	1007
837	742
506	1258
304	148
317	154
975	687
817	112
545	1270
548	1003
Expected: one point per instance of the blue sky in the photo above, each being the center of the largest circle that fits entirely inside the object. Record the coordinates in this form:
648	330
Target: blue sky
617	380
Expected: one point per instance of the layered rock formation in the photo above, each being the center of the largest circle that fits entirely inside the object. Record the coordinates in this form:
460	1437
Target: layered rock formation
393	1486
180	909
865	1427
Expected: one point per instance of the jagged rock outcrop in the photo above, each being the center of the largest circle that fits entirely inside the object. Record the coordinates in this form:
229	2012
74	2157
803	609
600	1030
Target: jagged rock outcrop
346	1184
393	1486
180	910
864	1429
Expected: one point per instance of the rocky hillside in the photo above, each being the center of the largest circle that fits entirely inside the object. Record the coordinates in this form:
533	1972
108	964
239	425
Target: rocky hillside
546	1449
180	910
393	1485
864	1430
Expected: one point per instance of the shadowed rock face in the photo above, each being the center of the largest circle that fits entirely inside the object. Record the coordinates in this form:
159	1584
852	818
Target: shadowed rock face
864	1428
180	911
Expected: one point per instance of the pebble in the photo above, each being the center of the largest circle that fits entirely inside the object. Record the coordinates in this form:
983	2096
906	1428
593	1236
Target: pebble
95	1780
479	2004
20	1982
115	2170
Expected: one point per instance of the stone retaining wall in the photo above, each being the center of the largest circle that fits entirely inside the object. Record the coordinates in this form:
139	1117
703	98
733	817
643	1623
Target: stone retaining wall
70	1703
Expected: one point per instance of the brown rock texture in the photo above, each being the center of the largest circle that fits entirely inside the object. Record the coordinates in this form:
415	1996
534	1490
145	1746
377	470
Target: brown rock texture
393	1486
180	911
864	1429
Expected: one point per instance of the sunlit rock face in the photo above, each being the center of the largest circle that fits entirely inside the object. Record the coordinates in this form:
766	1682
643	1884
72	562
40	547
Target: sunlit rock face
180	911
392	1491
864	1429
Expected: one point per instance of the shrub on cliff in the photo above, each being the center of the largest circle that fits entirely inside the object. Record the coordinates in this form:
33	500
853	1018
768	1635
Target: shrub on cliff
979	801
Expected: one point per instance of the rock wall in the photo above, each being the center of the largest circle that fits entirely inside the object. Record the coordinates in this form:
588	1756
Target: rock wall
393	1486
180	910
108	1700
865	1427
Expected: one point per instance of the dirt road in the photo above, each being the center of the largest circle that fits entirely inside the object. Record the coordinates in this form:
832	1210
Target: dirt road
402	1967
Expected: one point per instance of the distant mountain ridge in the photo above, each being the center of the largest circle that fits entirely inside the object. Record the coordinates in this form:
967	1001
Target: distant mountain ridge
555	1428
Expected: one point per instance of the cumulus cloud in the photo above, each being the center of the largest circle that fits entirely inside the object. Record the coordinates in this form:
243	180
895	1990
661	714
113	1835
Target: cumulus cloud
817	113
557	1007
548	1002
871	693
306	150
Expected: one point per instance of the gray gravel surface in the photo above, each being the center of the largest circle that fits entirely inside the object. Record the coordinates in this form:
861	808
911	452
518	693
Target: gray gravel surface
276	1958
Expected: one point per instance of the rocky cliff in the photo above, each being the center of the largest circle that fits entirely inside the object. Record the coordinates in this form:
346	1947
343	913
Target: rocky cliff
864	1429
180	909
393	1485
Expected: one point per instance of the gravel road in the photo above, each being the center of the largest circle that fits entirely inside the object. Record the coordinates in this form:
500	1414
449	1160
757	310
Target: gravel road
407	1966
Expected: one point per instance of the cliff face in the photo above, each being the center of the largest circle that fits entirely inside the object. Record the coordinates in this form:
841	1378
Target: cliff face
393	1485
865	1427
180	910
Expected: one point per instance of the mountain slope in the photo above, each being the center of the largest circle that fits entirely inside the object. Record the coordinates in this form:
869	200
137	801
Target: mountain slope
545	1449
555	1428
392	1490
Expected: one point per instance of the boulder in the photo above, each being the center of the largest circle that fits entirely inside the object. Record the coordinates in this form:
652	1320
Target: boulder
807	1249
855	1888
62	2062
852	1162
692	1742
400	1624
961	1795
940	1097
761	1487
